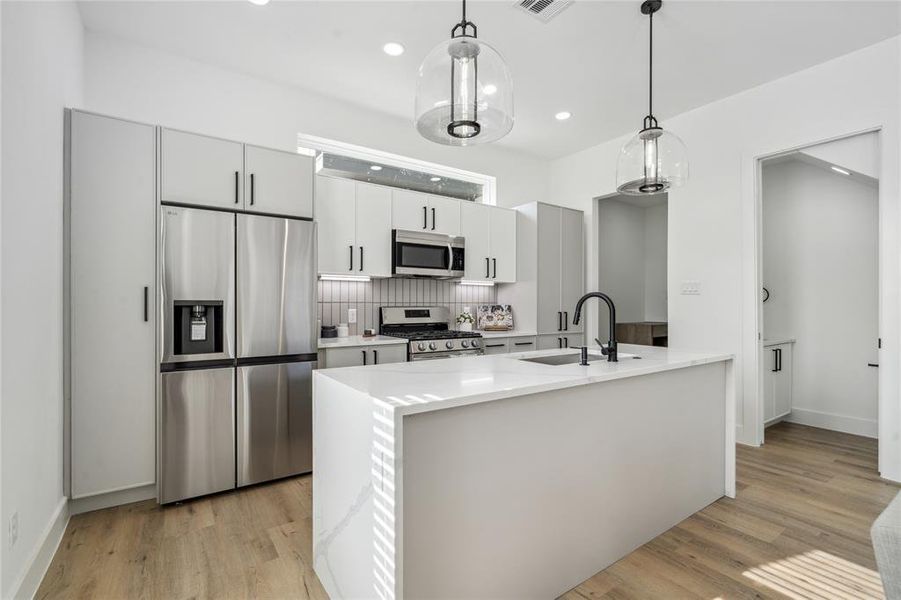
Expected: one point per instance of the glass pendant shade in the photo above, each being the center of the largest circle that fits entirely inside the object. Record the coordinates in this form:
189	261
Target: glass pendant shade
651	162
464	94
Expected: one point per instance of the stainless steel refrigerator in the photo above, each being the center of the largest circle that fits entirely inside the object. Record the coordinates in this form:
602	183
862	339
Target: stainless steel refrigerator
238	346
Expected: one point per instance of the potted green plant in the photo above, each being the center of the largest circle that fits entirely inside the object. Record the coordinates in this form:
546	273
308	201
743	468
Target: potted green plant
465	321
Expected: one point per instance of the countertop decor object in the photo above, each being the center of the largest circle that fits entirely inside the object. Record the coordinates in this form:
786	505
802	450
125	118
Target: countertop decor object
495	317
654	160
464	92
328	331
465	320
343	330
368	333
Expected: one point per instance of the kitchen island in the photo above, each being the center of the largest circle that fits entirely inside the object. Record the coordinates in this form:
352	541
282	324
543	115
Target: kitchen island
498	477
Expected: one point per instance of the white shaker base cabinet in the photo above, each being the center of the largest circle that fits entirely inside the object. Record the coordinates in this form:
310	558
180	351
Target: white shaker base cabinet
777	382
112	325
201	170
278	182
360	356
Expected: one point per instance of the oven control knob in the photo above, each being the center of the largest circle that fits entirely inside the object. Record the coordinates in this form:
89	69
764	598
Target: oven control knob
433	346
475	343
421	346
449	345
465	343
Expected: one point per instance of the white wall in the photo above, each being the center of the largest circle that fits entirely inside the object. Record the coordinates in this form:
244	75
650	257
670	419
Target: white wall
140	83
712	218
41	74
632	260
820	249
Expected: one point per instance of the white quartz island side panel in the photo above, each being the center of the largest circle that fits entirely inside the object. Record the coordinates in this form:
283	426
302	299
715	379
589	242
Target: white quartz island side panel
494	477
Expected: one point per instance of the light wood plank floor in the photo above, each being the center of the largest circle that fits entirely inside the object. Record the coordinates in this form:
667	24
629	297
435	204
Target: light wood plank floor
798	529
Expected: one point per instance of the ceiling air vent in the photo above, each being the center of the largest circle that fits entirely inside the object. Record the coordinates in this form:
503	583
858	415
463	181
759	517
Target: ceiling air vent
543	10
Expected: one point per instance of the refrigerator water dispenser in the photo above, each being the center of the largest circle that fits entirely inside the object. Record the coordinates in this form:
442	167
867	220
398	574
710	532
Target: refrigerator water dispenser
197	327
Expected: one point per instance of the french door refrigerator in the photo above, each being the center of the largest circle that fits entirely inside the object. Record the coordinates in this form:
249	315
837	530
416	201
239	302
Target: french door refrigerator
238	347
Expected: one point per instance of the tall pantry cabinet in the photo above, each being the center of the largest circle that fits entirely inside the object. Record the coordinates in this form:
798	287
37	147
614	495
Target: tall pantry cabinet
550	273
111	359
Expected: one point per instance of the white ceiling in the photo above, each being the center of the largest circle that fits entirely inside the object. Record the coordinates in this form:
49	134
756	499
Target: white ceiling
590	60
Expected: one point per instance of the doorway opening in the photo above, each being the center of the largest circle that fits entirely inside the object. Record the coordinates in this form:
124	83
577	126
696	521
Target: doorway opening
632	266
819	304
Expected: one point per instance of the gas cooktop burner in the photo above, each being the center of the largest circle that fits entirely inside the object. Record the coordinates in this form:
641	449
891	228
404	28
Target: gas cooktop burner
429	334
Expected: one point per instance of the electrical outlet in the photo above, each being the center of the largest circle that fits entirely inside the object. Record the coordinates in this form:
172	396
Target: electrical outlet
13	529
691	288
351	315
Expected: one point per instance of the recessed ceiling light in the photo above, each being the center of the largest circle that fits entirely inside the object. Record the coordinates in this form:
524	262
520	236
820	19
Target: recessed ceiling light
391	48
435	179
563	115
489	89
259	2
840	170
375	168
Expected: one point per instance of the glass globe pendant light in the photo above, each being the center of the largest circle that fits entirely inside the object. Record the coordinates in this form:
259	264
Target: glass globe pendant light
464	93
654	160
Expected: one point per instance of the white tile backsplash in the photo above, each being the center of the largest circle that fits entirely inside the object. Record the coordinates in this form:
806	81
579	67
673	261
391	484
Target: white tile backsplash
335	297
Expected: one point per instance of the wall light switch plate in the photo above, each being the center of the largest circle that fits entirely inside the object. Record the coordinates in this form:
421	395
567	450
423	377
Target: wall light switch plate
351	315
691	288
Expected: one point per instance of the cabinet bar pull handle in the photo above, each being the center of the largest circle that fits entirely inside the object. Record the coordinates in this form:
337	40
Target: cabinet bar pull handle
565	321
523	343
351	257
425	217
494	262
559	342
872	365
236	187
566	342
146	315
775	360
433	219
361	258
364	357
559	321
251	189
375	356
494	345
487	268
780	359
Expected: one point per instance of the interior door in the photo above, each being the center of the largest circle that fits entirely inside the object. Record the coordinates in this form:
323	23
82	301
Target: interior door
201	170
335	216
112	296
275	421
503	244
572	266
278	182
475	226
373	230
410	211
197	437
276	286
549	278
444	215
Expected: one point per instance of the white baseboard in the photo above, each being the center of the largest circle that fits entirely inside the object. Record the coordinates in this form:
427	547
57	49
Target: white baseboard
108	499
27	586
814	418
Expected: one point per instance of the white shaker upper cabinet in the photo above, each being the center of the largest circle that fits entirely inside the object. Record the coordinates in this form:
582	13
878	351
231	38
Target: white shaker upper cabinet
503	244
335	216
112	241
278	182
475	226
201	170
373	230
415	211
410	210
444	215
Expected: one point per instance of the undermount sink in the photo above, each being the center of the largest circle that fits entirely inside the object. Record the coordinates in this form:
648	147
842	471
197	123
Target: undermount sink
568	359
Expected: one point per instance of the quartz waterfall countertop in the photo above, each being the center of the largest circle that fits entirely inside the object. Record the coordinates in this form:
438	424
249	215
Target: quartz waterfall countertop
356	341
414	387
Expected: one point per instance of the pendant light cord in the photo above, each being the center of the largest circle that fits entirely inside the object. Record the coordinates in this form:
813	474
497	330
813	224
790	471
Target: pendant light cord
650	64
464	25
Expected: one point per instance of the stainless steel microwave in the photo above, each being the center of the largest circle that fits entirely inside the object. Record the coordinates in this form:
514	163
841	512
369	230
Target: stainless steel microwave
425	254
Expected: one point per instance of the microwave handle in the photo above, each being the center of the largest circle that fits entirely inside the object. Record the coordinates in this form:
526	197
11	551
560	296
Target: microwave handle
450	258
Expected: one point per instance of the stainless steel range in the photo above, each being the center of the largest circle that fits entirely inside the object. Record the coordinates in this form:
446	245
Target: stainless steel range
428	332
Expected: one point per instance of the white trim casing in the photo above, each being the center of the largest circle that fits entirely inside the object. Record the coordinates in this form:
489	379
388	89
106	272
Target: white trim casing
488	182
